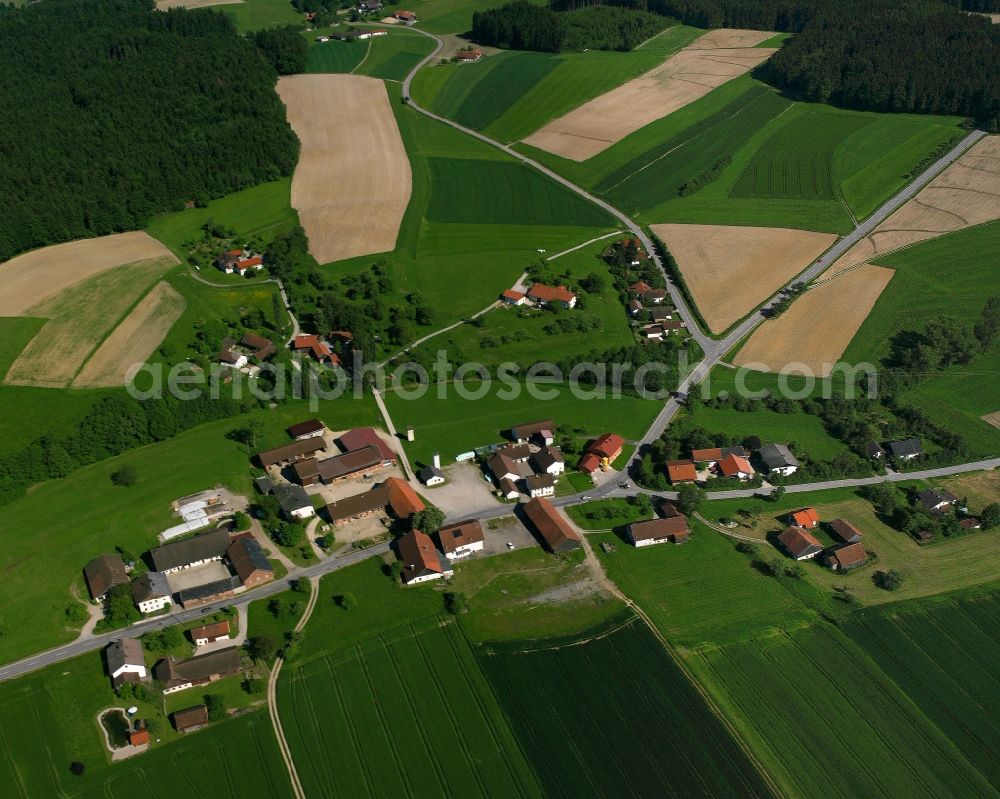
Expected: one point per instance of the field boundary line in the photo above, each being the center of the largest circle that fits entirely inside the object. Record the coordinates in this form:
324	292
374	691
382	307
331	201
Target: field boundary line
581	246
364	57
272	698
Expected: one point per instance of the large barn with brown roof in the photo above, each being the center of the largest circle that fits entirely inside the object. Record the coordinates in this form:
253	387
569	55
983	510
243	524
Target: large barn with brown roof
555	531
103	573
659	531
421	560
800	543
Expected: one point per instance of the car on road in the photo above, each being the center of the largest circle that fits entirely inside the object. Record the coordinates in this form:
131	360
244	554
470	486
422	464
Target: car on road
510	545
623	485
586	496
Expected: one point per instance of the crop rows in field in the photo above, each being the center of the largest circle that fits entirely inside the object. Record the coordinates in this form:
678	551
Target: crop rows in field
828	723
392	57
476	95
946	657
503	193
616	717
334	56
402	715
660	172
798	160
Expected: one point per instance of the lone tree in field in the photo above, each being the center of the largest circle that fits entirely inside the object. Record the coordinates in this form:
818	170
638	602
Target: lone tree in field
125	476
347	601
888	580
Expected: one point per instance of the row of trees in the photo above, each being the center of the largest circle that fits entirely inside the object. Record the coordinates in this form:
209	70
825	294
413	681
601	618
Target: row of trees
113	425
523	26
113	111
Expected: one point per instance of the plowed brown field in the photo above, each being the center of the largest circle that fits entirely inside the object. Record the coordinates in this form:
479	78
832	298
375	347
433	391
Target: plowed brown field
352	183
730	269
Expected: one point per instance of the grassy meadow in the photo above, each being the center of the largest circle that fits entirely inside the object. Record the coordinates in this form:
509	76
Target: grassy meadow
454	424
48	720
587	710
255	15
392	57
334	56
50	534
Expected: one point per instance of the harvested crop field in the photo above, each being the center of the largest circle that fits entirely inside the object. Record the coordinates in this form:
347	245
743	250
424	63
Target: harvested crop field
134	340
814	332
731	269
352	183
30	279
79	320
707	63
967	193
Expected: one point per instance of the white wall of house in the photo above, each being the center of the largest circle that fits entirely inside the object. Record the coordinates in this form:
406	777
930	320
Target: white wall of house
465	550
191	565
808	557
424	578
176	688
434	480
543	491
303	512
556	469
203	641
154	604
785	470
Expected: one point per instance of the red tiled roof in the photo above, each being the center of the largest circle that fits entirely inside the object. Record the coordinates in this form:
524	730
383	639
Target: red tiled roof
589	463
798	541
361	437
139	737
510	294
211	630
850	555
607	446
247	263
469	55
403	499
733	465
418	554
544	293
710	454
675	527
807	517
461	534
553	528
681	471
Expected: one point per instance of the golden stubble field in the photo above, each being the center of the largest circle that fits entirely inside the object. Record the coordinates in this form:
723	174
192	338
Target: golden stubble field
84	289
352	183
134	340
816	329
731	269
688	75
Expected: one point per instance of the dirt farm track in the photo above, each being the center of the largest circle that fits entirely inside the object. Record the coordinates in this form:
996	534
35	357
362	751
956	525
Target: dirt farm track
731	269
705	64
352	183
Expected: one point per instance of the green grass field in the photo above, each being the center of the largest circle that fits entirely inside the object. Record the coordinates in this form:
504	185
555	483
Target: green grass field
454	425
255	15
504	192
334	56
48	719
944	653
49	535
394	683
392	57
262	211
784	168
587	712
948	276
703	592
451	16
800	697
804	431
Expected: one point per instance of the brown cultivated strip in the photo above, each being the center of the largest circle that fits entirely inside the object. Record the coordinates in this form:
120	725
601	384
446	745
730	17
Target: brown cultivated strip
163	5
816	329
731	269
134	340
30	279
686	76
352	183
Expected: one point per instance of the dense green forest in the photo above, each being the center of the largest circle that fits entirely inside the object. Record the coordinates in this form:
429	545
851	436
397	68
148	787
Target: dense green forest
923	56
113	111
940	61
523	26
